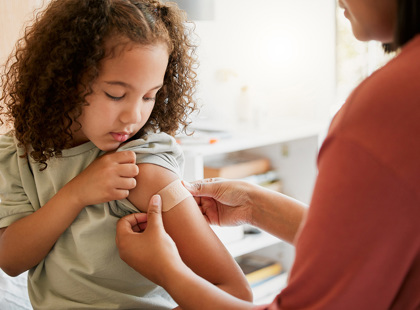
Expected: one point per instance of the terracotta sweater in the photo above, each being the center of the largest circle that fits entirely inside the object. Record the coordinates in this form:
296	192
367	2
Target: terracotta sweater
360	245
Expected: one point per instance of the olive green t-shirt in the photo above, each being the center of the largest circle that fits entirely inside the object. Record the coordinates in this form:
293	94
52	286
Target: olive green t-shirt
83	269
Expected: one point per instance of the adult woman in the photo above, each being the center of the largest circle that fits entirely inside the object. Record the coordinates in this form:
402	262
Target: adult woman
358	245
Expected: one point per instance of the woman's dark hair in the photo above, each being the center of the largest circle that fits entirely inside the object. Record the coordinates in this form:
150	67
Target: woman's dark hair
54	65
407	24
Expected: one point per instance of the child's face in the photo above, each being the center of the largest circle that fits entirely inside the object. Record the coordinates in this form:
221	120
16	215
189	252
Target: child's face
123	96
371	19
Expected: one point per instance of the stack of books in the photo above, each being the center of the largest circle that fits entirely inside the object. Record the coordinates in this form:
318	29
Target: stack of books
267	179
265	275
247	167
236	166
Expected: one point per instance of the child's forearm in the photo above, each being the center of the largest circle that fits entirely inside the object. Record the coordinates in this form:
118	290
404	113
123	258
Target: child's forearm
244	293
193	292
27	241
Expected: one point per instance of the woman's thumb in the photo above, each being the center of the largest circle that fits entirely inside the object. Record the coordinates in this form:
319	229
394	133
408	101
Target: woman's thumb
198	188
154	213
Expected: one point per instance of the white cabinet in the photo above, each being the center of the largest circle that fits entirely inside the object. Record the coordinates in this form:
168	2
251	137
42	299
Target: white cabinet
292	150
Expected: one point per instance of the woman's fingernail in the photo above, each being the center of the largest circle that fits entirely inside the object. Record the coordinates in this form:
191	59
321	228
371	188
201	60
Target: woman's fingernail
186	184
156	199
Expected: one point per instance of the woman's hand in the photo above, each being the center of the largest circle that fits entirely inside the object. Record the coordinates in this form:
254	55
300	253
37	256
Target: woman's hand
230	202
223	202
148	249
109	177
145	246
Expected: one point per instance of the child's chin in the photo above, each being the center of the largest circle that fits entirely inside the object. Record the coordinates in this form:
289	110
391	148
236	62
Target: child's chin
109	148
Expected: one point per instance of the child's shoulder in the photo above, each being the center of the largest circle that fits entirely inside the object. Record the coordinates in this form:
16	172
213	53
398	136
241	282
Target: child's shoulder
8	145
153	144
7	136
159	149
11	158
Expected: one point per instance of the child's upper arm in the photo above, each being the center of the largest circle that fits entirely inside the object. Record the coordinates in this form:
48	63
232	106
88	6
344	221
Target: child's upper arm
198	246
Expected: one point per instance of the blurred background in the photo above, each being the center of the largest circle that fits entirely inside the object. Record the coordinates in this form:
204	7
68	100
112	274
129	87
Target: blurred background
260	62
267	61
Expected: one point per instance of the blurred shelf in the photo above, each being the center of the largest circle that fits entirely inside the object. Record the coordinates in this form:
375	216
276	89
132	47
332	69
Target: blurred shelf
250	243
288	131
267	291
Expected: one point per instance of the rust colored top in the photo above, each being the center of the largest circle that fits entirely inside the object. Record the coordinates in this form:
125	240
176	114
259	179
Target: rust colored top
360	245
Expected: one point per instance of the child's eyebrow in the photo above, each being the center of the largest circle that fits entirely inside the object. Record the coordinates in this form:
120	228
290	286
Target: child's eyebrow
128	85
119	83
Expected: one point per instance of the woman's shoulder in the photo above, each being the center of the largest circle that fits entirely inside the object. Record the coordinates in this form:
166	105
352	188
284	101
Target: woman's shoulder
381	115
388	96
396	79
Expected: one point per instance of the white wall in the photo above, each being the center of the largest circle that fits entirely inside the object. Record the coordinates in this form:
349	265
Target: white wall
14	15
283	50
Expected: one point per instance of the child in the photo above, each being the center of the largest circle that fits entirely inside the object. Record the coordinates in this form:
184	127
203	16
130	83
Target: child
92	94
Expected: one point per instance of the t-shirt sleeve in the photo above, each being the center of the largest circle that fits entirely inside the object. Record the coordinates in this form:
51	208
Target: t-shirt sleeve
14	201
348	255
158	149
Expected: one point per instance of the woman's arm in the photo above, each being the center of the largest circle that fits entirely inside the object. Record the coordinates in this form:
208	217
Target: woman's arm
27	241
198	246
231	202
152	252
277	213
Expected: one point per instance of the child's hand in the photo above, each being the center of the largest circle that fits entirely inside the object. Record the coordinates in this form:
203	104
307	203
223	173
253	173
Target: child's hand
109	177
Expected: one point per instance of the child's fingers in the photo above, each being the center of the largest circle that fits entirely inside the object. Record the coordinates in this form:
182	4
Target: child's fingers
125	183
128	170
125	157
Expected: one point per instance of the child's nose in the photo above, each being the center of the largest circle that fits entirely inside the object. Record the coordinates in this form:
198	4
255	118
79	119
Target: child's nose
131	114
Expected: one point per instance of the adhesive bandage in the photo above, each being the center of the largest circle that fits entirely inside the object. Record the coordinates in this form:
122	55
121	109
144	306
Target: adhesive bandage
173	194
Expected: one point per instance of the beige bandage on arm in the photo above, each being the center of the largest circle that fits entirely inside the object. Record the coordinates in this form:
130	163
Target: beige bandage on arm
173	194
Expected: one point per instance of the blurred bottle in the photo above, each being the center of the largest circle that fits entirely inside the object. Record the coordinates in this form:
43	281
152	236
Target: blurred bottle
244	106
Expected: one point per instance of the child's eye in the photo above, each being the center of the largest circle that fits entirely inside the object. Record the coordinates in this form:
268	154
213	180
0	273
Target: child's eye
113	97
152	99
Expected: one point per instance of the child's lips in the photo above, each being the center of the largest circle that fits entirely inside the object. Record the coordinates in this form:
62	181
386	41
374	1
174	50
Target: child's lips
120	136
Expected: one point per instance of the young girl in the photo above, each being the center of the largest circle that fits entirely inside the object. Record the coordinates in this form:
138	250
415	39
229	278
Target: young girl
92	94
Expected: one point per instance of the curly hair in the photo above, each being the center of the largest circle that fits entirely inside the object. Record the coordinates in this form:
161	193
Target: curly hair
54	65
